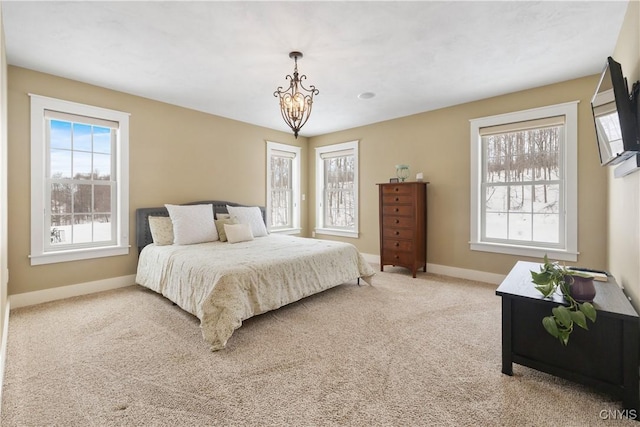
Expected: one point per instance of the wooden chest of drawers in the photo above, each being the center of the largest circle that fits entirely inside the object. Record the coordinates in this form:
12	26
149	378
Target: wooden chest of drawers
403	225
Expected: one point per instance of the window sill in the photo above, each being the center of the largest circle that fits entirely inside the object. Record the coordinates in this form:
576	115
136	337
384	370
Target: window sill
334	232
286	231
78	254
552	253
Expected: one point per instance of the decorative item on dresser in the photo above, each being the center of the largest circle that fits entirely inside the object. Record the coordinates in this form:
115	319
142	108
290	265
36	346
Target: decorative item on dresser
403	225
402	172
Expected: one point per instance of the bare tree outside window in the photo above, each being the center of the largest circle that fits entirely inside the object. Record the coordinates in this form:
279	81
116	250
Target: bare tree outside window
339	198
281	191
283	188
337	189
522	185
524	182
80	182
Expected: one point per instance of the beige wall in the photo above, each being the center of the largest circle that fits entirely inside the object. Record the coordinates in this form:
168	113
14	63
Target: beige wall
179	155
176	155
437	143
624	193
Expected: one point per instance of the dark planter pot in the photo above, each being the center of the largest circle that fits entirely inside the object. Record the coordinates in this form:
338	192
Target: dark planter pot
582	289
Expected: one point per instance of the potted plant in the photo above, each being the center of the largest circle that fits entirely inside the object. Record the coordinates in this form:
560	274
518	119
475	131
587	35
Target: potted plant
554	277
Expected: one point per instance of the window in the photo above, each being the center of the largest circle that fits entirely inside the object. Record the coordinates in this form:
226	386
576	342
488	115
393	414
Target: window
79	181
337	189
283	188
524	182
609	132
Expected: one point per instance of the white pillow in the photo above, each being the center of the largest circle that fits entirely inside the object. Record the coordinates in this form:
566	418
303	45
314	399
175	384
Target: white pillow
238	233
220	227
249	215
192	224
161	230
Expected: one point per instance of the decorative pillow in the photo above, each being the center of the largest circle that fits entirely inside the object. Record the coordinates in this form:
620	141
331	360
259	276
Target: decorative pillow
223	216
251	216
220	227
192	224
238	232
161	230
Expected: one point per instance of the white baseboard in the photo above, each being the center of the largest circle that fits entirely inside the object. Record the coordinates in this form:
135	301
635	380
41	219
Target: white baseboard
46	295
53	294
371	258
461	273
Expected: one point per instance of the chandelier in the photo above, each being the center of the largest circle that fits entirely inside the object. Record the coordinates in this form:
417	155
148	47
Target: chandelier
295	105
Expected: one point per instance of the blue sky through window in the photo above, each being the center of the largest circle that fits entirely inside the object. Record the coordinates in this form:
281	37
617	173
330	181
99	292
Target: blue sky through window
78	148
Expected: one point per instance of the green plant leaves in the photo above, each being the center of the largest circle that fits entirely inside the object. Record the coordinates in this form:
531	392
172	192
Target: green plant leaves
552	277
588	310
564	337
550	325
580	274
541	278
546	289
562	316
545	282
579	319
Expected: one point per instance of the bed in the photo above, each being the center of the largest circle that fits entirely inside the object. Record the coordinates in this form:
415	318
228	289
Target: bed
223	283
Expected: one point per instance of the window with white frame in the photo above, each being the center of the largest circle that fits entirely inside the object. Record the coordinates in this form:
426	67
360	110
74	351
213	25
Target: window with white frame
524	183
283	188
337	189
79	181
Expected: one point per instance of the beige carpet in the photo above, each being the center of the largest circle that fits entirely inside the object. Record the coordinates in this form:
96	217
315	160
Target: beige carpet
404	352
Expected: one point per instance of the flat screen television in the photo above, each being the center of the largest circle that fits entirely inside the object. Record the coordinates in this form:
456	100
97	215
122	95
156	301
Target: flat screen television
614	114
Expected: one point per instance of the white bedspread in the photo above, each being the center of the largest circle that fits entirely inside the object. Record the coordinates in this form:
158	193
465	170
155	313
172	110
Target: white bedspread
223	284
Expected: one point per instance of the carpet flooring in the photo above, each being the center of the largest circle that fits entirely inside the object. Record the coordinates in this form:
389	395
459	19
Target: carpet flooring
403	352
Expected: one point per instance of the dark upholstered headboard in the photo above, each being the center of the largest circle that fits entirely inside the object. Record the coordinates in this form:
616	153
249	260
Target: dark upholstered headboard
143	233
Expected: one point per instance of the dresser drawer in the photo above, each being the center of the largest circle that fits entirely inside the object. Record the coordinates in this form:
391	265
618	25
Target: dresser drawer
397	189
395	257
398	221
398	245
399	210
398	233
397	199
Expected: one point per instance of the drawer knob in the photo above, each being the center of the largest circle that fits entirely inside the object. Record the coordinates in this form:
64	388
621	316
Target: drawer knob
397	221
397	209
397	244
396	189
397	199
396	257
397	233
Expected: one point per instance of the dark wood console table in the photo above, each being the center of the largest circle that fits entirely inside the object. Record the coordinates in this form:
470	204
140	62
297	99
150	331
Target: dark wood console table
604	357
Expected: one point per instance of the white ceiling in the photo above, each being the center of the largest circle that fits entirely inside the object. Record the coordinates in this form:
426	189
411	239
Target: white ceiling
227	58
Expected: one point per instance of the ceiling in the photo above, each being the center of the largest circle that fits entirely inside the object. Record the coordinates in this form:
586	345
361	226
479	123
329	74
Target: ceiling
227	58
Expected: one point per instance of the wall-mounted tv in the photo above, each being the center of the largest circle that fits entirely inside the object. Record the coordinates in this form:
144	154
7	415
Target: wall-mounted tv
614	114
